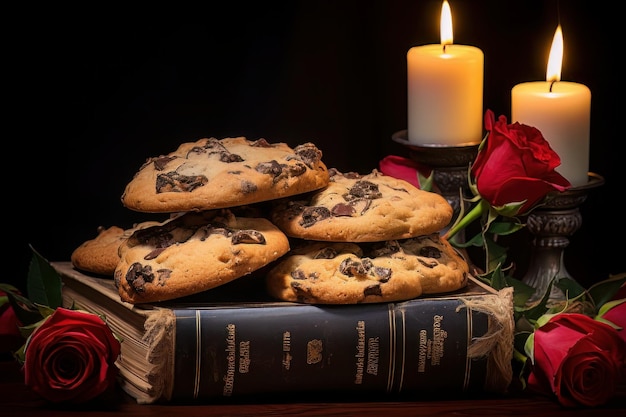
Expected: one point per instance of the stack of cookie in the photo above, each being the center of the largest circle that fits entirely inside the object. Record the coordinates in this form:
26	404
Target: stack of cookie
365	239
236	206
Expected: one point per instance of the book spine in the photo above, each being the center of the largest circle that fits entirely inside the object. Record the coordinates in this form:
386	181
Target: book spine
414	346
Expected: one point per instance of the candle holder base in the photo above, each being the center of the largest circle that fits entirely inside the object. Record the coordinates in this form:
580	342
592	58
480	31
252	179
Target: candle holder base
552	224
450	166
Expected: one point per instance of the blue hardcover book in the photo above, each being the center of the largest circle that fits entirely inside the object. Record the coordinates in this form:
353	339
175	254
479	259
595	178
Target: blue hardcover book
214	346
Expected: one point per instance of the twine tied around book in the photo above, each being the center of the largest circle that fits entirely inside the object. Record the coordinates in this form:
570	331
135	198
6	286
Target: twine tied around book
497	343
159	336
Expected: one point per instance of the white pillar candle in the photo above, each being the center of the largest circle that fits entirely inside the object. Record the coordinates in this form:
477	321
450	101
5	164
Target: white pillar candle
445	91
561	111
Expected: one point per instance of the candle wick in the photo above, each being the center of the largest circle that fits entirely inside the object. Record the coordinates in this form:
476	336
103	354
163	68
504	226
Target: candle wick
551	84
444	47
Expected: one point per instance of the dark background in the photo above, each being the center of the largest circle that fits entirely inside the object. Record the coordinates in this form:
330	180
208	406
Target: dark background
94	92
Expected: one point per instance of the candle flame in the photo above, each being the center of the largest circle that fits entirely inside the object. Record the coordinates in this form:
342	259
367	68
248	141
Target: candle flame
446	24
555	61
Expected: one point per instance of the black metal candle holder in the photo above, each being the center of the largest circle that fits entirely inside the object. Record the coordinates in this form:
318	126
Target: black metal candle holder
551	225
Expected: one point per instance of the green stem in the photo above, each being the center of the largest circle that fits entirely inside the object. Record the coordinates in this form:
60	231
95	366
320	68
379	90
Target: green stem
474	214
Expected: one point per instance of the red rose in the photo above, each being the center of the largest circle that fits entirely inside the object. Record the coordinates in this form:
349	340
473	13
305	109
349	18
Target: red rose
71	357
10	336
578	359
516	164
403	168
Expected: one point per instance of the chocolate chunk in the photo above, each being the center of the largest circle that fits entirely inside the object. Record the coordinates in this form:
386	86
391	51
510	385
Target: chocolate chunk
272	168
138	275
352	267
216	229
373	290
309	153
363	189
312	215
352	175
230	157
296	169
175	182
298	274
248	187
214	146
326	253
367	264
248	236
303	294
294	208
383	274
430	252
332	172
431	264
197	150
161	162
343	209
386	248
261	143
162	276
157	236
153	254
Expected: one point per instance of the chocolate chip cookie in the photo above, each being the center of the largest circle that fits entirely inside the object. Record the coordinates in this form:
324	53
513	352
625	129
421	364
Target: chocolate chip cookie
100	254
351	273
221	173
362	208
194	252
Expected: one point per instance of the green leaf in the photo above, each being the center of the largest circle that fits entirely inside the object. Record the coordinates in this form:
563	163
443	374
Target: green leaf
529	347
496	254
509	209
45	311
426	183
495	278
607	306
26	331
534	311
20	354
476	241
504	228
545	319
25	310
603	291
519	342
570	288
8	288
44	282
521	291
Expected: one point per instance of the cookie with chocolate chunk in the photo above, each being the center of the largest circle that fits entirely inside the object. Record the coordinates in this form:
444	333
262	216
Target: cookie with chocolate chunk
99	255
221	173
362	208
194	252
351	273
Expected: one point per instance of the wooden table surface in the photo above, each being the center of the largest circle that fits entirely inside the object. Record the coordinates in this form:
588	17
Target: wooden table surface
16	400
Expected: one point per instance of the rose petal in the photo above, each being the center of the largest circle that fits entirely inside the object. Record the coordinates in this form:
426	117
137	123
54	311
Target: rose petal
402	168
